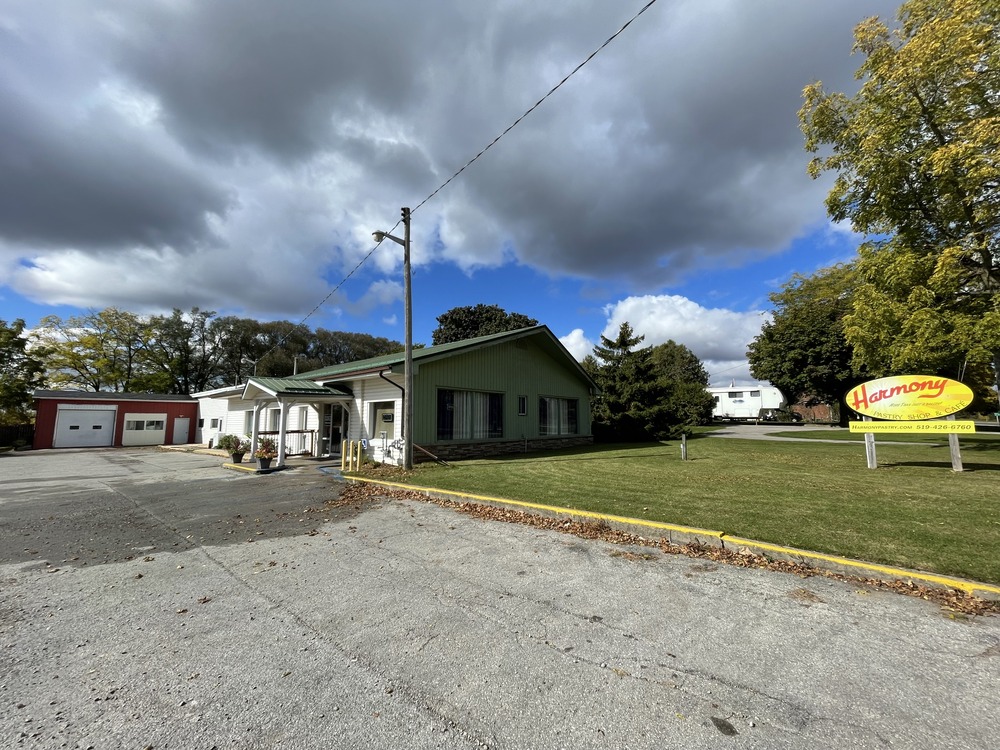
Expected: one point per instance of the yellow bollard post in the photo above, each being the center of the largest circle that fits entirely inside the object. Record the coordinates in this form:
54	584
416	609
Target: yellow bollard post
343	454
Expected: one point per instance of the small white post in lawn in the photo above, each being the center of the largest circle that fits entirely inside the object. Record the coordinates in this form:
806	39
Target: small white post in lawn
870	447
684	447
956	456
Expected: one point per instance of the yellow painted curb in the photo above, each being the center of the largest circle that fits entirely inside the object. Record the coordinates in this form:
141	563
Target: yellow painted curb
973	588
969	587
554	509
248	468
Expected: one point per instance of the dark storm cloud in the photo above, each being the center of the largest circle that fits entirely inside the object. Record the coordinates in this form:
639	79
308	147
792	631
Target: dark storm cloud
272	127
681	149
276	76
75	173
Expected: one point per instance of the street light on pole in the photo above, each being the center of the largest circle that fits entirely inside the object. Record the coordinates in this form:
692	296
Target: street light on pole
408	345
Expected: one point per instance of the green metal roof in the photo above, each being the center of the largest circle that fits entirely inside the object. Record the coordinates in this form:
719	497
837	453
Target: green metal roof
390	361
295	387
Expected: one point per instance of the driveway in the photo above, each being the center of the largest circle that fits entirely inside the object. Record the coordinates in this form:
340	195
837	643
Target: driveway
154	600
766	430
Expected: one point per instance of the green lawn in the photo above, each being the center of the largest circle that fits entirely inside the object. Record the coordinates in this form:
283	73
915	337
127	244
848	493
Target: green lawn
912	511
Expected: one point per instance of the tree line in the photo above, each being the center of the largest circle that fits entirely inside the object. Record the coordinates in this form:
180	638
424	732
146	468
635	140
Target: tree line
646	393
182	353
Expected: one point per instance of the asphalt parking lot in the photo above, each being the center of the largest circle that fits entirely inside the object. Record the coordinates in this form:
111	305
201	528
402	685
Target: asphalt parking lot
152	599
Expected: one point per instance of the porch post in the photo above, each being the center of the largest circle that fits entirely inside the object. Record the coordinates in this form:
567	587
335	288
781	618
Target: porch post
283	425
258	406
329	432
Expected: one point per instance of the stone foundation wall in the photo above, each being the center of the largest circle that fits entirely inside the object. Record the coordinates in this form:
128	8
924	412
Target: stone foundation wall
459	451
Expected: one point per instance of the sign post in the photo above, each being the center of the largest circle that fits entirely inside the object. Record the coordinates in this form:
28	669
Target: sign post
911	403
870	447
956	455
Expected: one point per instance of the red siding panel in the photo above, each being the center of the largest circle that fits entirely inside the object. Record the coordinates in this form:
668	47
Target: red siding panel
46	410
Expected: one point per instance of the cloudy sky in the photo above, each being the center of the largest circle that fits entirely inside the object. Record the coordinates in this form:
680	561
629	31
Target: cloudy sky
236	155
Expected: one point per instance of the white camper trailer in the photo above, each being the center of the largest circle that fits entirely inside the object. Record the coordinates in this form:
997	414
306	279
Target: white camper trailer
749	403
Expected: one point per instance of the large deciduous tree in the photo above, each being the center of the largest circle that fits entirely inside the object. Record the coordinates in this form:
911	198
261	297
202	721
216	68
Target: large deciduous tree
461	323
113	350
802	350
337	347
182	356
239	344
917	157
21	371
102	350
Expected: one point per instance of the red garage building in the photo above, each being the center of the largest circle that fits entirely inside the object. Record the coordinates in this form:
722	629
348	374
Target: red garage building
82	419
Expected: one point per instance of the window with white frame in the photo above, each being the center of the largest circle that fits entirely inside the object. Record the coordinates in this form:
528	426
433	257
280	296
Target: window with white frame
137	425
469	415
248	422
557	416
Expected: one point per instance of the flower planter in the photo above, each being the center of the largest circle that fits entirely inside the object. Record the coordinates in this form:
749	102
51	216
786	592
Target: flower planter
264	463
237	458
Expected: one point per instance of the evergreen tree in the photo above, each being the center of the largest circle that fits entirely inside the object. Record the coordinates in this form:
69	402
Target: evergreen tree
631	406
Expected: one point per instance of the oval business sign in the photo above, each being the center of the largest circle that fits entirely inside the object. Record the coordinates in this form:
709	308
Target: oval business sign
909	397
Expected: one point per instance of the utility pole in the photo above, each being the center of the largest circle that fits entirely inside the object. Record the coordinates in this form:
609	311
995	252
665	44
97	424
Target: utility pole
407	348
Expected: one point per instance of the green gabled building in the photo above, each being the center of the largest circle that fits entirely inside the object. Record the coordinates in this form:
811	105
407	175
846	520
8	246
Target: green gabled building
504	393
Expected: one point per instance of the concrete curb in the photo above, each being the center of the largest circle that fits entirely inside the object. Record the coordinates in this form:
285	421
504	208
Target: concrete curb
252	469
680	535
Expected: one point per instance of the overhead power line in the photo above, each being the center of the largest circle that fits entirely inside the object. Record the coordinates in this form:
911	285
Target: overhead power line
470	162
535	106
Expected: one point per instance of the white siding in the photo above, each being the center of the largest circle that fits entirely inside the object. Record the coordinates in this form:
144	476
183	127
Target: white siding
221	416
367	393
230	417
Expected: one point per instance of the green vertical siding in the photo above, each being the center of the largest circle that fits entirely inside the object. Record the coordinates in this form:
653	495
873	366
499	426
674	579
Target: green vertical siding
515	368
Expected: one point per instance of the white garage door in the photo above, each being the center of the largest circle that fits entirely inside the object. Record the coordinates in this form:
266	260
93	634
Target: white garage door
84	428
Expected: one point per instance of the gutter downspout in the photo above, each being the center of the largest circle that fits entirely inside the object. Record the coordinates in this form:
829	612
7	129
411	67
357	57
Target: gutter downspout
402	390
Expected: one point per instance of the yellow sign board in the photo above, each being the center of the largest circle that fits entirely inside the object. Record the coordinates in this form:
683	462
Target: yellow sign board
942	428
909	397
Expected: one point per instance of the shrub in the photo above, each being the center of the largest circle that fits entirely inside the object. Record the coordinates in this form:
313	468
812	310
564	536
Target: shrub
233	444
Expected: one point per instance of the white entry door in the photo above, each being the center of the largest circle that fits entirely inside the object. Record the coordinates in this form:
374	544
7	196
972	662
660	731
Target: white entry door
182	426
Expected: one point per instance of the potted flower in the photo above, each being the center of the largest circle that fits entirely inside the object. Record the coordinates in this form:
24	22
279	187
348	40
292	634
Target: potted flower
267	449
234	446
